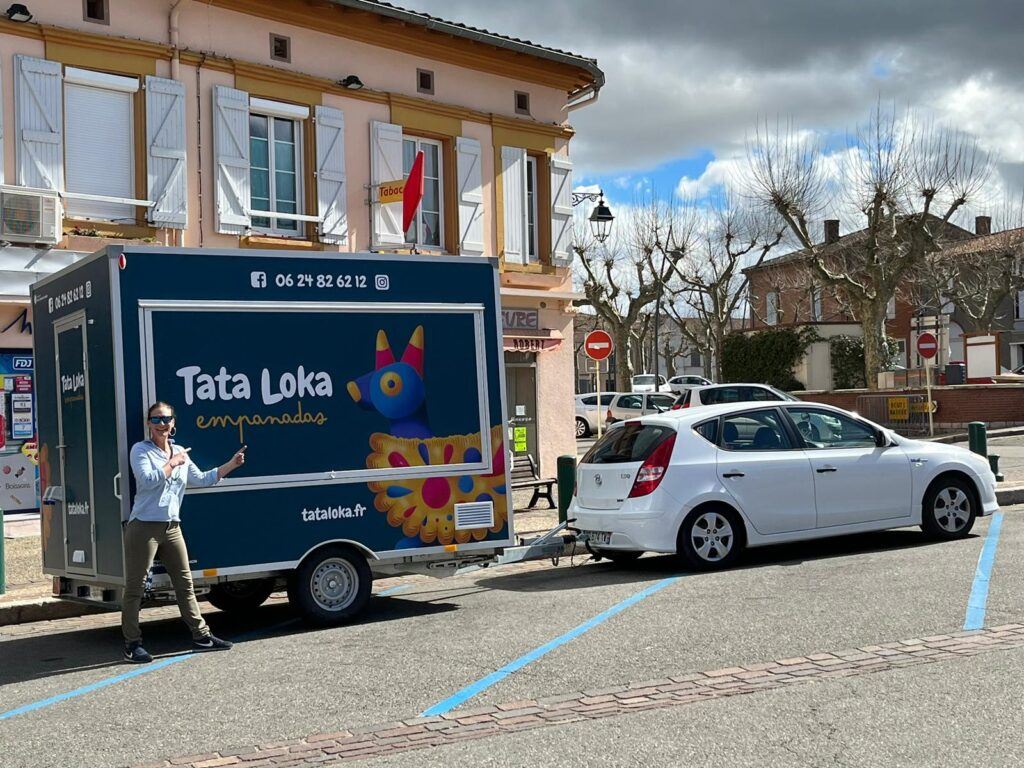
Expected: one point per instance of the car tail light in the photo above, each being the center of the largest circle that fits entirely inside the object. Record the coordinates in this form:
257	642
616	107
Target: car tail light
678	406
608	416
650	474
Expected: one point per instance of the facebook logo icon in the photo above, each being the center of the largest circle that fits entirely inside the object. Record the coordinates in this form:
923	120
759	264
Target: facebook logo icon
258	279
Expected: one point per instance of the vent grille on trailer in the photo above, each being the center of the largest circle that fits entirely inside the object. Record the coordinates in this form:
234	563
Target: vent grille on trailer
474	514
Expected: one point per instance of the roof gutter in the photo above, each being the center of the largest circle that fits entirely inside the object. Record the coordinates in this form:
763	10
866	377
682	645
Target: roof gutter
456	30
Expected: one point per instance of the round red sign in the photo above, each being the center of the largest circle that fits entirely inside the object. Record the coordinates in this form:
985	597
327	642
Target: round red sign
927	345
598	345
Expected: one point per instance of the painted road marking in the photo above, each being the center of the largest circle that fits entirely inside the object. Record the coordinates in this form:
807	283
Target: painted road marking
394	590
460	697
975	618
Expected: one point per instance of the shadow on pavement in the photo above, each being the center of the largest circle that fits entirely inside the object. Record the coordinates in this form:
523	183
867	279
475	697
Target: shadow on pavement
650	568
37	657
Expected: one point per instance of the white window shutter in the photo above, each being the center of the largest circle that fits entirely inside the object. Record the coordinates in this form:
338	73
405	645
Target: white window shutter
39	141
1	134
231	157
331	189
513	182
561	211
386	165
471	196
167	184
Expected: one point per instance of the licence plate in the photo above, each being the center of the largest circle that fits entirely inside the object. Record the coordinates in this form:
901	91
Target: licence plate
598	537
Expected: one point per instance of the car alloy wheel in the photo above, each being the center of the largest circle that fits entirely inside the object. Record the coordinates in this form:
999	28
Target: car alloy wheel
952	509
581	428
712	537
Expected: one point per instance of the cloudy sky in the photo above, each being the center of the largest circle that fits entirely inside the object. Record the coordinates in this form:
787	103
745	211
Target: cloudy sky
688	81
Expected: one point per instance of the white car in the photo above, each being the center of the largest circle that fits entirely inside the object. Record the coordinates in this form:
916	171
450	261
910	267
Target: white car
706	483
679	384
588	412
648	382
717	394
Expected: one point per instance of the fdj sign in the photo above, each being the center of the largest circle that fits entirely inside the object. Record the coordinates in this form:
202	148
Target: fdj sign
899	408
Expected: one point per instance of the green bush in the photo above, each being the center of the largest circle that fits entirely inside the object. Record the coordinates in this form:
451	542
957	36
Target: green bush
766	357
847	354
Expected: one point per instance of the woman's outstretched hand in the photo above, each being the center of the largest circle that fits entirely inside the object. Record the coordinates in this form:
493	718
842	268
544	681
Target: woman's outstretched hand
233	463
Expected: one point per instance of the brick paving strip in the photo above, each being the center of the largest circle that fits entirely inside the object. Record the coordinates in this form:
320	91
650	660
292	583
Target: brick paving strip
673	691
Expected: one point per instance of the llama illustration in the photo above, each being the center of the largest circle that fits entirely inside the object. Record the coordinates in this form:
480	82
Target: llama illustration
424	508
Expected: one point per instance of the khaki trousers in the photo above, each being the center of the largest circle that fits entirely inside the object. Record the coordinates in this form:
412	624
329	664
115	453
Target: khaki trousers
142	542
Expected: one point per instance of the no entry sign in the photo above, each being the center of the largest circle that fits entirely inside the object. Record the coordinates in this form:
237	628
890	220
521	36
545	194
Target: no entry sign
597	345
927	345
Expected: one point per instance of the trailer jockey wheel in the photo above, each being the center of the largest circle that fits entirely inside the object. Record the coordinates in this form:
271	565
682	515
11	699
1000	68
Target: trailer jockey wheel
241	596
332	585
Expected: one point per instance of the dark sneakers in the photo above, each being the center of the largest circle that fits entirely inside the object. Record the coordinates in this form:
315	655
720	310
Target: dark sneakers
210	643
134	653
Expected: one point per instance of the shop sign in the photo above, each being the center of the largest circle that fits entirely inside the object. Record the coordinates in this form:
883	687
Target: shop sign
519	439
22	421
520	319
22	383
16	327
391	191
19	476
517	344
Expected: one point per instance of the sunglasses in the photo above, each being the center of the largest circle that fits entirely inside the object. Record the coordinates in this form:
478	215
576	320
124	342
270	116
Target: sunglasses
161	419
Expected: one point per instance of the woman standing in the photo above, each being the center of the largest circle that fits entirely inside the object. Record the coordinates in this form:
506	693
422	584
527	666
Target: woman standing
162	471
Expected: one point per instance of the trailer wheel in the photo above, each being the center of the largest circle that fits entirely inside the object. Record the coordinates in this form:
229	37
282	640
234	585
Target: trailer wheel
331	586
241	596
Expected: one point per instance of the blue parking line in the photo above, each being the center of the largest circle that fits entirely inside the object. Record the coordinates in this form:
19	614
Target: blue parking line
979	590
394	590
460	697
141	670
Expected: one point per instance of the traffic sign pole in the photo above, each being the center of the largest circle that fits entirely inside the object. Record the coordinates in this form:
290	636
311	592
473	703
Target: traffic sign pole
598	346
927	347
599	406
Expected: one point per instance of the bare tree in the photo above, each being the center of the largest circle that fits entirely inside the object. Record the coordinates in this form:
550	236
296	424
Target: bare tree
710	283
620	278
905	176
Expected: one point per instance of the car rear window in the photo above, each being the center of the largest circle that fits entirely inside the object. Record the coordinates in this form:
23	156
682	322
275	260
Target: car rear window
628	443
643	379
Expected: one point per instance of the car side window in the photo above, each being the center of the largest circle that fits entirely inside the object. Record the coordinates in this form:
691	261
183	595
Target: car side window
591	400
827	429
659	402
607	399
708	430
757	394
754	431
633	402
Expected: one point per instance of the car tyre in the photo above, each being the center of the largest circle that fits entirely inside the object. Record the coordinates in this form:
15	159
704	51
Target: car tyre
949	509
582	428
240	596
332	586
618	556
710	538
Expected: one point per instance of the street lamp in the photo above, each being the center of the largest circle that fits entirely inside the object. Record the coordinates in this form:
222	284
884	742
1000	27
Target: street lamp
601	218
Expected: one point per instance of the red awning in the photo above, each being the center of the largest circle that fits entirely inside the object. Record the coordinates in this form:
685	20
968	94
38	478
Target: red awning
542	340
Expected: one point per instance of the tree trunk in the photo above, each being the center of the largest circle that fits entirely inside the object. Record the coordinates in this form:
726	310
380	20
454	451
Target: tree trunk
873	328
717	345
624	360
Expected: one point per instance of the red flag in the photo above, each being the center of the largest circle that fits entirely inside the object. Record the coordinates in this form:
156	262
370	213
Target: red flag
413	193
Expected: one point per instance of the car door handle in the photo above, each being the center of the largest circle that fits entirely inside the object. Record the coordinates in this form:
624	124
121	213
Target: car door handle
733	474
823	470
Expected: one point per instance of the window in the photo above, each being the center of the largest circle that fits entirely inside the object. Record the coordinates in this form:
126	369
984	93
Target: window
816	304
589	400
99	144
96	10
755	394
720	395
772	308
644	380
631	402
1018	306
425	81
632	442
274	163
708	430
754	431
427	228
695	362
532	243
607	399
280	48
522	103
890	308
659	402
827	429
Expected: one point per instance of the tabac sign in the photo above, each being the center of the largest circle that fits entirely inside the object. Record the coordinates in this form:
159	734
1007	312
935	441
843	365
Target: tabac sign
392	191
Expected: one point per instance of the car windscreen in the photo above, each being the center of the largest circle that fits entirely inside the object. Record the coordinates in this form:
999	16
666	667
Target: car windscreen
629	443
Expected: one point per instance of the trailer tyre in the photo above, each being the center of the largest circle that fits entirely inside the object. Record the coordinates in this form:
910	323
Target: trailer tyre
331	586
241	596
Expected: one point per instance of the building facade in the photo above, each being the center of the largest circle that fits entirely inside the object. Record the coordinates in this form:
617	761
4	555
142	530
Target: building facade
276	124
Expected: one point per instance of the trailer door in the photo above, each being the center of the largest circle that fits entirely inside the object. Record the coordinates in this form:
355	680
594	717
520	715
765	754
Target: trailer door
74	429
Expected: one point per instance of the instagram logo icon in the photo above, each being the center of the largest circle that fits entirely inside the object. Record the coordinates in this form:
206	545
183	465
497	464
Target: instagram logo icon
382	282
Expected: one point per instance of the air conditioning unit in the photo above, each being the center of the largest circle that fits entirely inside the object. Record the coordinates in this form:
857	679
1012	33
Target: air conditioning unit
30	215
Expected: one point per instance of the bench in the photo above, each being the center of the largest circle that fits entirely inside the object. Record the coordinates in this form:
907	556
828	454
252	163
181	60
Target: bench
525	475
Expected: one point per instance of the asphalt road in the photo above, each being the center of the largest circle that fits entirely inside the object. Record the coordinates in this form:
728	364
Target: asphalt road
422	644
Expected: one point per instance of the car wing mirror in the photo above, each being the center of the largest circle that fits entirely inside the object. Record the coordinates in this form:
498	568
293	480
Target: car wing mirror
881	439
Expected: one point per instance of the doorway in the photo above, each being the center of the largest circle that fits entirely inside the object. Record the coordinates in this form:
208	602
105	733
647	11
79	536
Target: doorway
521	391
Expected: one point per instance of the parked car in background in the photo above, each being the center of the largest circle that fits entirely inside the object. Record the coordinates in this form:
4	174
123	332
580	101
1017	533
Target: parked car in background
648	382
679	384
716	394
588	411
628	405
707	483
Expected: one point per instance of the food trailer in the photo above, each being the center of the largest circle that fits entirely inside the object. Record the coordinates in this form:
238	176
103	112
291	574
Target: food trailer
367	387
